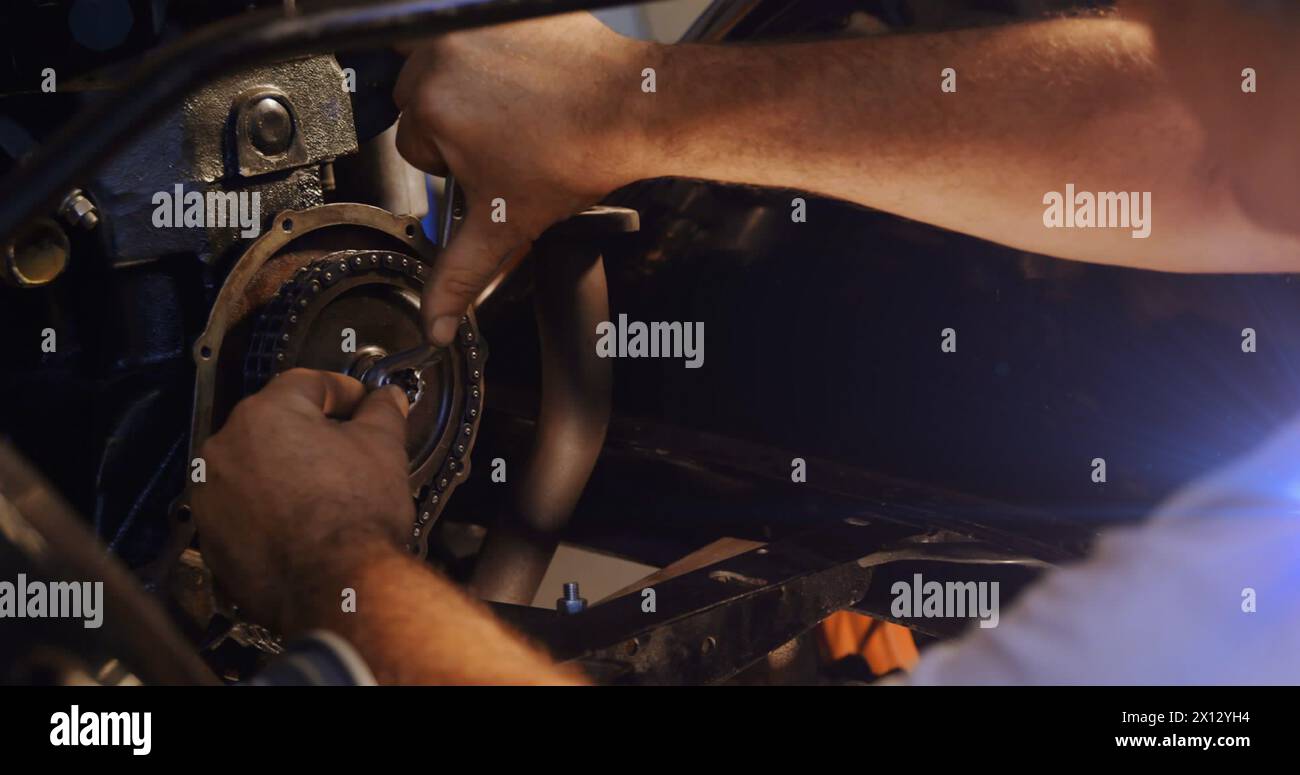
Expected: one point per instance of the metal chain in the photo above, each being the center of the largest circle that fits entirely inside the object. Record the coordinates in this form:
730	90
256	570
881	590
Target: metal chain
277	324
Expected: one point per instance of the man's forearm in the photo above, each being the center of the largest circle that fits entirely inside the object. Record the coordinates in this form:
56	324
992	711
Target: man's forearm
410	624
1037	106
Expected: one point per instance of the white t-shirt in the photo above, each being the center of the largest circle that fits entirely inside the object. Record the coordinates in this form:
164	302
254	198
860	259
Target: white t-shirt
1165	602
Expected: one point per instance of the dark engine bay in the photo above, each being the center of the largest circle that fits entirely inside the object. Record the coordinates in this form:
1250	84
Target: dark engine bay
138	309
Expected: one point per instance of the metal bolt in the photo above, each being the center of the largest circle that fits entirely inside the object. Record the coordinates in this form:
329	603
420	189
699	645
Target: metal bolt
327	181
270	126
77	210
571	603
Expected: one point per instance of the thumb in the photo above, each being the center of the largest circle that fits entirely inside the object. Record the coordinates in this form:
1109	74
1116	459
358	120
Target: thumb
460	273
383	410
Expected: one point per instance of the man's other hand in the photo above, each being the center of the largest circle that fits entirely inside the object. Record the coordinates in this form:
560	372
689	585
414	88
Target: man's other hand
305	474
536	119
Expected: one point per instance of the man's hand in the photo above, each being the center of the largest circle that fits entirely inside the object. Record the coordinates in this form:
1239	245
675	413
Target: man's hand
290	488
540	114
301	504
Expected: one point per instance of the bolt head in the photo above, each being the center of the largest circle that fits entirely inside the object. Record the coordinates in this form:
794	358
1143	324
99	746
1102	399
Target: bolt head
82	213
270	126
79	211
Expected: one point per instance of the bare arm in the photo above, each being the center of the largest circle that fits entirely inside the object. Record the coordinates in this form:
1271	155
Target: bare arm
1037	106
411	625
549	116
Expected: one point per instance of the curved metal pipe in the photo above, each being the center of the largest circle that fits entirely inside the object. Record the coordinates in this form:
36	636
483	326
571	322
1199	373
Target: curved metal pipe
570	299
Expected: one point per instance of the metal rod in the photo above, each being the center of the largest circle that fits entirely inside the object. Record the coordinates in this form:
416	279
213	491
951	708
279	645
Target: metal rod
449	204
571	298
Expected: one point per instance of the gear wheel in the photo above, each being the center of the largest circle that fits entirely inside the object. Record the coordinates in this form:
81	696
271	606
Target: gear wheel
346	310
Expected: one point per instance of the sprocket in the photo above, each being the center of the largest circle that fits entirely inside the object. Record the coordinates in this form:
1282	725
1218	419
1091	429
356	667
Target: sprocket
349	308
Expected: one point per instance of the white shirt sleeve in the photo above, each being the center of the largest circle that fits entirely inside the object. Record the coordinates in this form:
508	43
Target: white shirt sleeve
1165	602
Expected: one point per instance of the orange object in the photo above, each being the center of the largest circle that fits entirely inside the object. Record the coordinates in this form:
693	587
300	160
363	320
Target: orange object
884	645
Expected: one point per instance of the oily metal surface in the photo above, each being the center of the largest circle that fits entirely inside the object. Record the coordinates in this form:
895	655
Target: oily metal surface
195	145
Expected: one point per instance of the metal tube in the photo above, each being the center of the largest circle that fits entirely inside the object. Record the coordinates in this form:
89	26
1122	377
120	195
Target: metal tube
571	298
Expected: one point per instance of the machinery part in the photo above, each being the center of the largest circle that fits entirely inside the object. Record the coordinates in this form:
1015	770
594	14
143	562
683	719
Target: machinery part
267	136
319	658
36	255
571	300
712	622
298	241
43	539
261	132
1019	531
376	294
378	175
405	368
247	38
76	210
572	602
